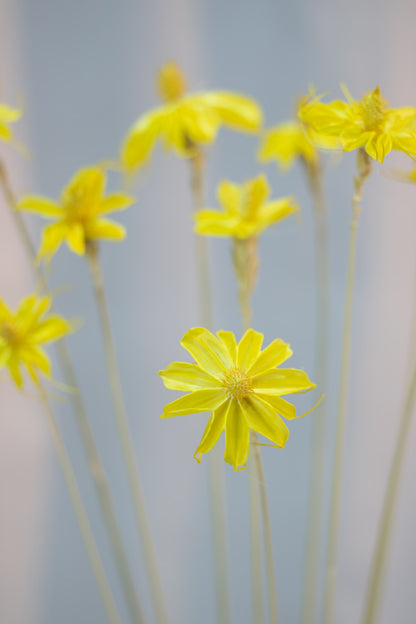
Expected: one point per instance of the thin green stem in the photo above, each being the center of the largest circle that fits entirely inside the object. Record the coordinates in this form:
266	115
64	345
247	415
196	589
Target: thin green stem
125	435
317	470
216	472
81	515
87	436
363	171
377	574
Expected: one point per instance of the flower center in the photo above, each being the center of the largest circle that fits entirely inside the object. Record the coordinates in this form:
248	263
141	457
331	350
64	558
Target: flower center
373	110
10	333
237	383
171	82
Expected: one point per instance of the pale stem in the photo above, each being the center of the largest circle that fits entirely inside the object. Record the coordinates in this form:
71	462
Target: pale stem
216	472
377	574
83	522
363	171
125	435
317	469
84	426
246	263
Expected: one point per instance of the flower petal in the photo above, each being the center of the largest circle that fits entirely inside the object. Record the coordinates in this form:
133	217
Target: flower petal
33	356
283	381
235	110
75	239
40	205
237	436
273	355
86	186
229	196
195	402
15	372
284	408
215	223
104	228
248	349
118	201
255	193
209	352
141	139
52	238
213	430
52	329
229	341
187	377
262	417
276	211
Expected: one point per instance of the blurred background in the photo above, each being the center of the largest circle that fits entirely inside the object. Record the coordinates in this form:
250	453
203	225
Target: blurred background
84	72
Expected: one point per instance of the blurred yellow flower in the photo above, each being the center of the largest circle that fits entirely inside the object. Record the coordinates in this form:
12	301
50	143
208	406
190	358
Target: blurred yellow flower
286	143
240	384
78	215
8	115
23	333
185	121
368	123
246	210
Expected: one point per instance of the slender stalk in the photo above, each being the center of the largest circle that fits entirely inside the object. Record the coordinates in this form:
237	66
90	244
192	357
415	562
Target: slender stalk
81	515
363	171
377	574
216	472
87	436
317	472
125	435
246	263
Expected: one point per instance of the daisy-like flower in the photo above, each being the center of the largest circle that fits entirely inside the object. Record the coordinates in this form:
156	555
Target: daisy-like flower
240	384
8	115
246	210
78	214
368	123
185	121
23	333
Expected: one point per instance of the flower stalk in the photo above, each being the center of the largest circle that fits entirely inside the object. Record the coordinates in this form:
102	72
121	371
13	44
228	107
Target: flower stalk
124	433
363	171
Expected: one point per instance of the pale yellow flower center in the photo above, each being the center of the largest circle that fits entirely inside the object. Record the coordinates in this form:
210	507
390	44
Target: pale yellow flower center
373	110
237	383
171	83
10	333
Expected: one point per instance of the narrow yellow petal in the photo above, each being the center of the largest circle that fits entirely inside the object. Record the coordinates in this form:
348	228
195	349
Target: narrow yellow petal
214	223
230	343
118	201
199	123
282	407
237	436
33	356
195	402
283	381
40	205
273	355
141	139
207	351
52	328
249	349
276	211
9	114
213	430
15	372
262	417
75	239
235	110
229	196
104	228
88	184
255	194
187	377
52	238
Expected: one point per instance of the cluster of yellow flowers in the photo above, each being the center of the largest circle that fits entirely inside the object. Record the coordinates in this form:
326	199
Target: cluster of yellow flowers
240	383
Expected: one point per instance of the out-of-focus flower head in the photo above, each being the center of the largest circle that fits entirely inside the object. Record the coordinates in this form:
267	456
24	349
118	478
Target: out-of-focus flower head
186	121
240	385
246	210
368	123
23	333
8	115
78	214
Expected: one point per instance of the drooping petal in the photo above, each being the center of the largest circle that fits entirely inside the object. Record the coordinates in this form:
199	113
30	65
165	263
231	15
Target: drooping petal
276	211
14	369
187	377
141	139
195	402
75	239
229	341
248	349
118	201
273	355
282	407
235	110
40	205
213	430
207	351
262	417
104	228
52	238
283	381
237	436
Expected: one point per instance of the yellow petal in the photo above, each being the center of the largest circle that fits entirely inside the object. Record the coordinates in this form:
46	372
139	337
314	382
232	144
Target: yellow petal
75	239
9	114
5	312
214	223
141	139
5	354
86	186
237	436
40	205
103	228
14	369
262	417
273	355
230	343
52	238
249	349
187	377
33	356
235	110
229	196
5	132
276	211
207	351
213	430
283	381
118	201
255	194
282	407
52	328
195	402
199	123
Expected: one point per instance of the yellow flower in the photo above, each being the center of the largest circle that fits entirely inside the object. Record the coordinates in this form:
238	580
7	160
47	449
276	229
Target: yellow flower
246	210
186	120
285	143
368	123
23	333
78	215
7	116
240	384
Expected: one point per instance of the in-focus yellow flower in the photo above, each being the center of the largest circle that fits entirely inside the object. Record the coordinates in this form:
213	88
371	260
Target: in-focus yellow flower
185	121
240	384
368	123
23	333
79	213
246	210
8	115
